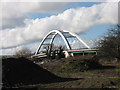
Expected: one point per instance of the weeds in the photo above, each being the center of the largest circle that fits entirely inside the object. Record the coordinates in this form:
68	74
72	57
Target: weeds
73	65
117	70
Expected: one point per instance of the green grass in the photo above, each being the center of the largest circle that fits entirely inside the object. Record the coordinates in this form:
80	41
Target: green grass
114	77
117	70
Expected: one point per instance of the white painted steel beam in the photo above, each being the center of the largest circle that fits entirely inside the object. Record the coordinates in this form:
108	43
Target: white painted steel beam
54	33
79	39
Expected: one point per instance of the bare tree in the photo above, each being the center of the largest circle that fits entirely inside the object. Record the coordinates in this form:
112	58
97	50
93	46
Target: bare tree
110	45
55	51
24	52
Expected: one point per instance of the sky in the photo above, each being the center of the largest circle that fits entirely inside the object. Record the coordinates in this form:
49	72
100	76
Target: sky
24	24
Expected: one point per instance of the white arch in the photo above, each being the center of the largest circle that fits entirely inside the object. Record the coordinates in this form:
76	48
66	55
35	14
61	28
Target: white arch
75	35
55	32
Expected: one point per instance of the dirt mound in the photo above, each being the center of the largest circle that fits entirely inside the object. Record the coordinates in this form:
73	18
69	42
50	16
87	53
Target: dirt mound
23	72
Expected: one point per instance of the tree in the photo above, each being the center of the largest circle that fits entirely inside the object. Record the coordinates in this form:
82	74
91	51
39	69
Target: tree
55	51
60	50
110	44
24	52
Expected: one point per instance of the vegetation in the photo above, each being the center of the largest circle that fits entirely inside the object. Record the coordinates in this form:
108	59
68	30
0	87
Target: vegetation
110	44
24	52
21	72
78	65
87	69
55	52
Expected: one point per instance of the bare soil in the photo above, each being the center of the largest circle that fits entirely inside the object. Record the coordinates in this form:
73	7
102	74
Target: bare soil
23	73
106	77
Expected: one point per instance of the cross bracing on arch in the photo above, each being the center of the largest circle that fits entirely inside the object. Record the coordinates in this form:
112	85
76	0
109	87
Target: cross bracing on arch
64	35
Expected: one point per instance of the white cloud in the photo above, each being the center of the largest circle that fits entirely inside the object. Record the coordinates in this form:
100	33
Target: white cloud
75	20
11	51
75	44
59	0
14	13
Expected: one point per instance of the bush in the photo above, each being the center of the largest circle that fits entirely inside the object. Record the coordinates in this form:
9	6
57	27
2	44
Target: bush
24	52
55	52
110	44
73	65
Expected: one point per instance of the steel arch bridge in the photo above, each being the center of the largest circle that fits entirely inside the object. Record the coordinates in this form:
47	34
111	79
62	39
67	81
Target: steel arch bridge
64	34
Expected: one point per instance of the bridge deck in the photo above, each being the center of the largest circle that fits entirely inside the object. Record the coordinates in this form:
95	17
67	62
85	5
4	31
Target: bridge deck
83	50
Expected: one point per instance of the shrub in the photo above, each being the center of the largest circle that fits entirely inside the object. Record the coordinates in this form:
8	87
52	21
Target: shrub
73	65
24	52
110	44
55	52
